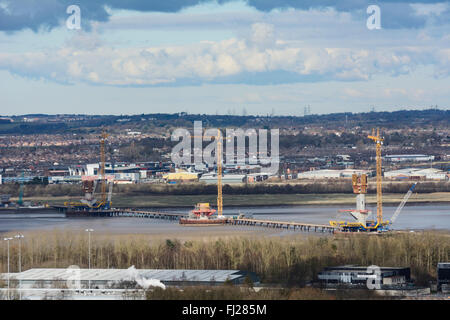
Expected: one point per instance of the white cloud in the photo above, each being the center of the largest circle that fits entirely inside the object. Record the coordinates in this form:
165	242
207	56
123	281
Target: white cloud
262	34
89	60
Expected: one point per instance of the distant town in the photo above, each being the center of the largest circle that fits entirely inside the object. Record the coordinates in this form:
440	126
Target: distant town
57	149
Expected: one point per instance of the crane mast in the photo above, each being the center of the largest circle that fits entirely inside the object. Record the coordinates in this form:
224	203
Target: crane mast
379	141
102	166
219	139
219	174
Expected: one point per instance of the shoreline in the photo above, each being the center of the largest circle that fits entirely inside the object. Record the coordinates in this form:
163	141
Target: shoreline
255	200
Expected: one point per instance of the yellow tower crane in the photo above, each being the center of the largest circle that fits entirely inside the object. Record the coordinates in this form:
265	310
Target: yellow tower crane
219	174
379	141
360	186
102	166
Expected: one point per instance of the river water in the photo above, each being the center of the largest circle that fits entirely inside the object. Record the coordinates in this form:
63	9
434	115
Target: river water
413	217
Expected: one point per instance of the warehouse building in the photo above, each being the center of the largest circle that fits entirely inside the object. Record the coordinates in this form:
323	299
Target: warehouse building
226	179
408	157
416	174
117	278
356	276
331	174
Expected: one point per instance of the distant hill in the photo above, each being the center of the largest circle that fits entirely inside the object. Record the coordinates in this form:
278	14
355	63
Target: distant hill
41	123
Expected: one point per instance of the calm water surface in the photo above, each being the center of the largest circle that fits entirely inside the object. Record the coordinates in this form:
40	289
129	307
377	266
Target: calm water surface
436	216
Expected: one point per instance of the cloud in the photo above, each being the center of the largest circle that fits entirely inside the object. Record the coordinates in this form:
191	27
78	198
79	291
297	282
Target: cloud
257	59
47	14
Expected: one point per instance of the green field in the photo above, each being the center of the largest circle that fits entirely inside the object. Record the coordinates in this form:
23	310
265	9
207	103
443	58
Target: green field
252	199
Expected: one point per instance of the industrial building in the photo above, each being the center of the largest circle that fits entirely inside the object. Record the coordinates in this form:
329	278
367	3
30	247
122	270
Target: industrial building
356	276
443	277
180	176
417	174
226	179
331	174
408	157
256	177
117	278
121	172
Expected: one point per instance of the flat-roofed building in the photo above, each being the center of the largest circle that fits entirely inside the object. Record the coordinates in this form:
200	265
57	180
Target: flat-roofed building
443	277
226	179
107	278
408	157
356	276
416	174
320	174
331	174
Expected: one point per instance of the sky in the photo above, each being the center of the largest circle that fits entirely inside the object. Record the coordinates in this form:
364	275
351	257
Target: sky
223	56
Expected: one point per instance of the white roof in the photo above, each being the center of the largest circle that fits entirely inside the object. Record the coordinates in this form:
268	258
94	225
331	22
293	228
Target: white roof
354	170
406	155
49	274
224	177
321	172
429	170
414	171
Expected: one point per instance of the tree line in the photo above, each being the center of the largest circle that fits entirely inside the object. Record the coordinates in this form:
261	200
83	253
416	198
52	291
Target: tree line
314	187
291	261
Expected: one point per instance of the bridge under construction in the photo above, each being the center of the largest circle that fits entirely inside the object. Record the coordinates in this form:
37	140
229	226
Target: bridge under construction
232	220
203	214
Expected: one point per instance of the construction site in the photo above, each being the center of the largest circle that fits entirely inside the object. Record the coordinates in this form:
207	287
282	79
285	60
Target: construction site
358	220
259	262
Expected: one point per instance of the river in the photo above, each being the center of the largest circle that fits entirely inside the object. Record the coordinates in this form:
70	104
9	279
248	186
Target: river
413	217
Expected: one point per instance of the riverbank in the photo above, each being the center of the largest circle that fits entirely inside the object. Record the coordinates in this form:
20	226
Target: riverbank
237	200
290	187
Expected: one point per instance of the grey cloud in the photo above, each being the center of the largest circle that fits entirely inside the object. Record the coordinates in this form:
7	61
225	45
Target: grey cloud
394	14
47	14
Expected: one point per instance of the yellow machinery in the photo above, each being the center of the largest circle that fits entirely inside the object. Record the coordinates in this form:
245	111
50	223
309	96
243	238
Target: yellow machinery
360	187
379	141
219	139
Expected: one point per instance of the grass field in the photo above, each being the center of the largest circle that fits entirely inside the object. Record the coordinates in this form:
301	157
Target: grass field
253	200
